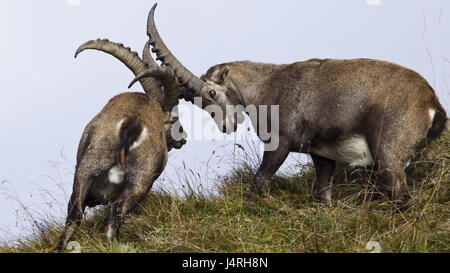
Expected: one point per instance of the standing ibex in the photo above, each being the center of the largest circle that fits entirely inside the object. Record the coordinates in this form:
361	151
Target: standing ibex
357	112
124	149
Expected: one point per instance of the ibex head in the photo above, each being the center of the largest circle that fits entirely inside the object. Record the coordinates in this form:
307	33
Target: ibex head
218	94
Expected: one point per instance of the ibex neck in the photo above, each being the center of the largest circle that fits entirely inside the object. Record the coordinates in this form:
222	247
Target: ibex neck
248	76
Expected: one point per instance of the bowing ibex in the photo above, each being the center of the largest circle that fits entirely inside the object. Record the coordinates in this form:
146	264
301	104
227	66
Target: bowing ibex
357	112
124	149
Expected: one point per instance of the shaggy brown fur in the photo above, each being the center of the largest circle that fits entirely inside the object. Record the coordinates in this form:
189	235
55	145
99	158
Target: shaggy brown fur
357	112
124	149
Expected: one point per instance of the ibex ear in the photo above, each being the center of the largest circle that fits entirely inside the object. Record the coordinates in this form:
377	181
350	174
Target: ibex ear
220	74
224	72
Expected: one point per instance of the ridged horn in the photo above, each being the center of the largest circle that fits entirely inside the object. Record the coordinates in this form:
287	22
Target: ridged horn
186	77
151	86
169	81
147	57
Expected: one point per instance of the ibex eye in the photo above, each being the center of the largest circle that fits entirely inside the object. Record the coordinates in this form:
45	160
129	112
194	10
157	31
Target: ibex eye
212	93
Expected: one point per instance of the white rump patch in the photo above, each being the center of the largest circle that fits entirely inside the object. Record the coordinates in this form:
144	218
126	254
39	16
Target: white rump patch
353	151
141	138
116	175
431	113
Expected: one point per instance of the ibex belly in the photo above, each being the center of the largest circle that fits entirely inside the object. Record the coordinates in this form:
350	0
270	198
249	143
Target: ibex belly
353	151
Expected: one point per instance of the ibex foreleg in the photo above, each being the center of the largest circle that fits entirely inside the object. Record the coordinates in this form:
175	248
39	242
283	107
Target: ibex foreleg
324	175
272	160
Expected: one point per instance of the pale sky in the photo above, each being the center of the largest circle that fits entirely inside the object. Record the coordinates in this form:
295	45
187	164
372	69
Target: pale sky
47	97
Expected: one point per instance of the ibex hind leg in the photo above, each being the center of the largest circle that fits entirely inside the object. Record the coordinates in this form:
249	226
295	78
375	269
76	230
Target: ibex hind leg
75	209
74	216
140	183
391	155
391	182
119	209
144	184
113	221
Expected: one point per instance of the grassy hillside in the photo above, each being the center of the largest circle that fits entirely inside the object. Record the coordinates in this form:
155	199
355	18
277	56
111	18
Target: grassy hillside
285	220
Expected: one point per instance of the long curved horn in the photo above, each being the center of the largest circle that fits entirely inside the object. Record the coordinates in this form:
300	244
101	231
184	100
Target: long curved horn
169	81
171	88
151	86
186	77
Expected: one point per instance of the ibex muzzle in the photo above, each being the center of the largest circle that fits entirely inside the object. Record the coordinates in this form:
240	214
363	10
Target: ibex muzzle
357	112
124	149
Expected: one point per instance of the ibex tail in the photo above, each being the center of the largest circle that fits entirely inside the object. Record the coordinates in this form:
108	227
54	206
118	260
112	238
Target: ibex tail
129	132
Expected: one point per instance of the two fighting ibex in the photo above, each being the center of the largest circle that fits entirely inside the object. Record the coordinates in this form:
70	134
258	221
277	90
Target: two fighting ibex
357	112
124	148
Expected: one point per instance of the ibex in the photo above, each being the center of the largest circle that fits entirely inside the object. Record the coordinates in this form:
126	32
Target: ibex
359	112
124	149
